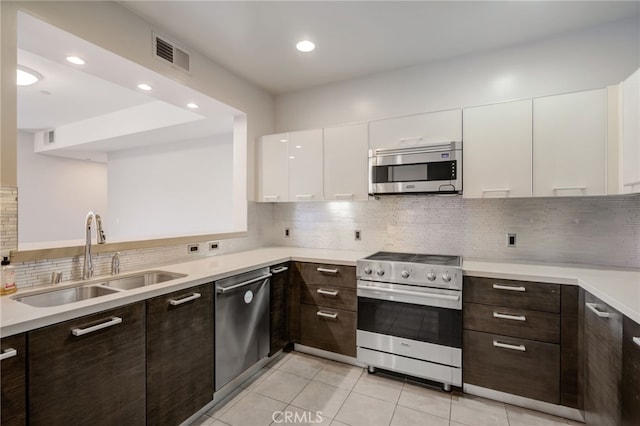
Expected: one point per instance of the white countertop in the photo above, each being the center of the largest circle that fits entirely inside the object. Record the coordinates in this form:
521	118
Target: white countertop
618	288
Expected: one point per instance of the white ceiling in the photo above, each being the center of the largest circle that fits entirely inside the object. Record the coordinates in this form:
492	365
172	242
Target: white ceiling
354	38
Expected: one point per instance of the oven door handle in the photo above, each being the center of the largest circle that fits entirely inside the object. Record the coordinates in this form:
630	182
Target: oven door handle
452	297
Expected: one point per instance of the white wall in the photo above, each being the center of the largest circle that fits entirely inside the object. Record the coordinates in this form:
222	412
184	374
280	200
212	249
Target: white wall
582	60
55	194
178	189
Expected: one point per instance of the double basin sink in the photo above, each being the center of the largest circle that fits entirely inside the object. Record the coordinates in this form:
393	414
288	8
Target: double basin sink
96	288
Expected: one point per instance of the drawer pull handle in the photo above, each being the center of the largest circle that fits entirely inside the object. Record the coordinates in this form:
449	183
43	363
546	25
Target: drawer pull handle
271	197
333	315
327	292
509	317
8	353
636	340
520	348
327	271
598	310
344	196
176	302
509	287
82	331
278	270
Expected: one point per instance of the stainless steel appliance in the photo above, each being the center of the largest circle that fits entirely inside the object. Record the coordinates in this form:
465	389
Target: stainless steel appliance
410	315
428	168
242	323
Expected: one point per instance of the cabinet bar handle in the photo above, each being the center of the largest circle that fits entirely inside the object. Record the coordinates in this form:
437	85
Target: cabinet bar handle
271	197
327	271
634	183
8	353
569	188
305	196
497	190
344	196
82	331
333	315
509	287
175	302
636	340
597	310
327	292
509	317
520	348
278	270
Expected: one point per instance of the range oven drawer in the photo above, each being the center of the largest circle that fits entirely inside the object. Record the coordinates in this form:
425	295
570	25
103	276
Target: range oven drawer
516	366
330	296
515	294
328	328
524	323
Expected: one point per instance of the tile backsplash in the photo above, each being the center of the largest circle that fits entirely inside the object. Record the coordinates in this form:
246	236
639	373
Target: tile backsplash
590	230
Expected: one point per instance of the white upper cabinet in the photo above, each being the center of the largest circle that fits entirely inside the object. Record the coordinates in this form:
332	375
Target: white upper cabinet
441	126
569	144
346	162
497	150
274	168
630	134
305	165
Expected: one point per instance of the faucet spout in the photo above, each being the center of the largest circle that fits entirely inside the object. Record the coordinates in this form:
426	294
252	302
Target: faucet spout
87	269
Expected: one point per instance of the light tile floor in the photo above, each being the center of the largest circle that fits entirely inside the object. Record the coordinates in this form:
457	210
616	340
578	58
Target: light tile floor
300	389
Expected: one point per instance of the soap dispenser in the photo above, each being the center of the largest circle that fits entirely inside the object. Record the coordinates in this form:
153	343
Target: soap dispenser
7	277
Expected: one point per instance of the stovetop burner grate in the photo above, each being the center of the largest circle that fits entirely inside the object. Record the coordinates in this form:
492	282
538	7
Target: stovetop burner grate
427	259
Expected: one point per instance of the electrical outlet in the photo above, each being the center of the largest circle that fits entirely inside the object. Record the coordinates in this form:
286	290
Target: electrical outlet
214	245
287	234
511	240
193	248
357	235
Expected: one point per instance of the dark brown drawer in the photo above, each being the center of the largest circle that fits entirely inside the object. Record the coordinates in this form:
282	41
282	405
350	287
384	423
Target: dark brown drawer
516	366
514	294
523	323
324	274
330	296
330	329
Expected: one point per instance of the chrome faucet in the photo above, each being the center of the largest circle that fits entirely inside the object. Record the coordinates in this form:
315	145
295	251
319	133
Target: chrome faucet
87	269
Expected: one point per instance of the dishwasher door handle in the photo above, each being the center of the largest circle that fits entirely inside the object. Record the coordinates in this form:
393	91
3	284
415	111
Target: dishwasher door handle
222	290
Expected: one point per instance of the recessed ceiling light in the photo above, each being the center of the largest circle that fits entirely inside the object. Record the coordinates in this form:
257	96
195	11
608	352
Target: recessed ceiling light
144	86
75	60
192	105
305	46
27	76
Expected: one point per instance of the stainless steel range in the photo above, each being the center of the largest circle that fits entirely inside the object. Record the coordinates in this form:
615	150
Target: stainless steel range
410	315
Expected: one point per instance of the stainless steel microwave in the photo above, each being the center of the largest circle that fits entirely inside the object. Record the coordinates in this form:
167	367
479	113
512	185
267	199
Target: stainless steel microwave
428	168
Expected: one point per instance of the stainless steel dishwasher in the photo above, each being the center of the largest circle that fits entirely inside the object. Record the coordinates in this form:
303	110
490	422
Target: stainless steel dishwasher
242	323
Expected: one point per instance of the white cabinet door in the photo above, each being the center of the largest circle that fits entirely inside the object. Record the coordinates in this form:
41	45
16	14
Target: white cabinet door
305	165
441	126
274	168
497	150
569	144
631	134
346	162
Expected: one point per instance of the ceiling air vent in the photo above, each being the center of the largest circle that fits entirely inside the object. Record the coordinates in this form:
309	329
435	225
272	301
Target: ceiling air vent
168	51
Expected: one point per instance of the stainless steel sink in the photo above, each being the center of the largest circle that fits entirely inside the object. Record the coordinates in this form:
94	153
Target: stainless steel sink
140	280
64	296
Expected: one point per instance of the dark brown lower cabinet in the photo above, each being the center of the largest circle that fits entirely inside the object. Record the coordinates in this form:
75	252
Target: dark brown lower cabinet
13	408
330	329
603	362
631	373
517	366
89	370
180	356
279	307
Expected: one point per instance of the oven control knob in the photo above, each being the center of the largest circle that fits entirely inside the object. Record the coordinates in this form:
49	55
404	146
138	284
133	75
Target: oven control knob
431	276
405	274
446	277
380	272
367	270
